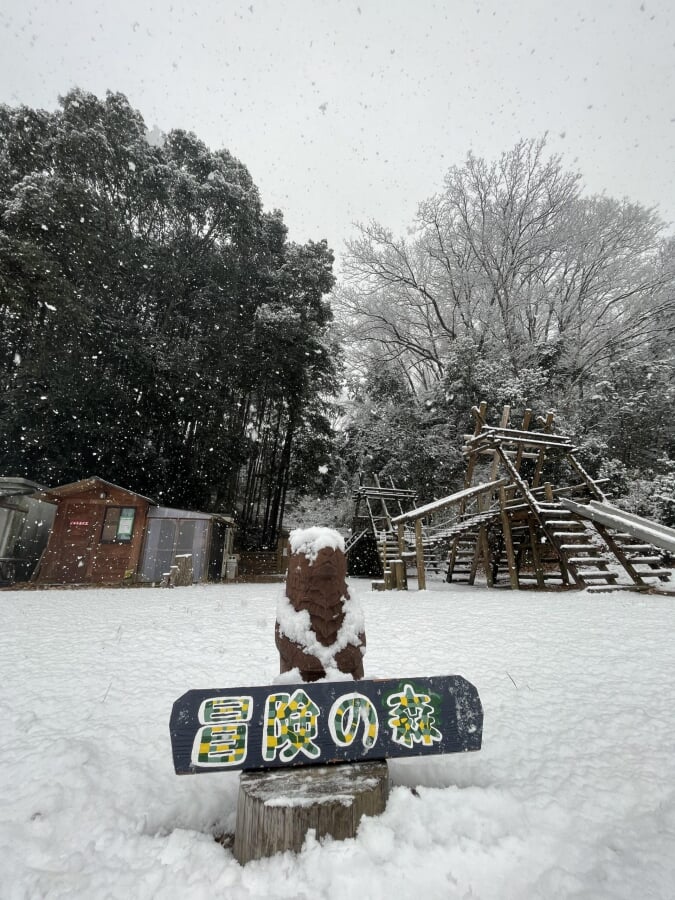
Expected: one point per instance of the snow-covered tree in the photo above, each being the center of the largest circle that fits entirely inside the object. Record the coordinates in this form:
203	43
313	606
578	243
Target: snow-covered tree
157	328
510	257
514	287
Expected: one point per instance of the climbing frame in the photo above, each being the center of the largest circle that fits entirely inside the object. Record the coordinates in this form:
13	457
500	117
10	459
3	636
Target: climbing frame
374	544
522	529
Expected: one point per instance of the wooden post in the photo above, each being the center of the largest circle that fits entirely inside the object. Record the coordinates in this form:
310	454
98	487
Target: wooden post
503	423
485	548
482	552
401	539
535	511
276	809
419	557
620	555
183	570
592	486
527	418
508	541
399	573
479	414
536	556
539	465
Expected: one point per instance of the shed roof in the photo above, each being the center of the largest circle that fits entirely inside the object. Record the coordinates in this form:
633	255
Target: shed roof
15	485
55	495
168	512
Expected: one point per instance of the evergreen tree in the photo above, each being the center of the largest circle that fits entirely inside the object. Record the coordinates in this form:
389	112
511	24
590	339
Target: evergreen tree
155	320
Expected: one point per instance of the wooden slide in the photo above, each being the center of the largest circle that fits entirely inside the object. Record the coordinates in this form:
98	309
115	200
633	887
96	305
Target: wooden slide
651	532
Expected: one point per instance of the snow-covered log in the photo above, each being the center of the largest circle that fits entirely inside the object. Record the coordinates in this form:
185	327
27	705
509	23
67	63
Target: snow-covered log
443	502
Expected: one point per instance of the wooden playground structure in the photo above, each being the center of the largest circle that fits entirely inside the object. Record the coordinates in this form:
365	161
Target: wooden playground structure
528	515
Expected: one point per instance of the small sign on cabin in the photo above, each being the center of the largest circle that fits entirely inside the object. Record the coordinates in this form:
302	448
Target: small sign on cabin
324	722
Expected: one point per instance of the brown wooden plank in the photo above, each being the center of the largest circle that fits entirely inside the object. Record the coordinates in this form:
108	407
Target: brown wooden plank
508	541
419	557
536	556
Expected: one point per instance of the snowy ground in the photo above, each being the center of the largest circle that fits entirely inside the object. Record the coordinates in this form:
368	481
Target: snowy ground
573	794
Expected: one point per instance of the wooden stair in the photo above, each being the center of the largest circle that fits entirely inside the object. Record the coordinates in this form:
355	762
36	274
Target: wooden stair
388	548
583	559
461	557
435	556
537	563
374	505
646	560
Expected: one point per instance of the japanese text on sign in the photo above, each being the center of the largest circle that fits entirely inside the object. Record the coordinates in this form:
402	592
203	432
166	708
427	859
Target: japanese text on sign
291	725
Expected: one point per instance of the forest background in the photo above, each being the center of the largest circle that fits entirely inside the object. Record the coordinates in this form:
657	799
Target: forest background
158	329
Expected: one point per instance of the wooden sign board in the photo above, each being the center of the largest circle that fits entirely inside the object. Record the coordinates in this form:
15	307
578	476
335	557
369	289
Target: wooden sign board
323	722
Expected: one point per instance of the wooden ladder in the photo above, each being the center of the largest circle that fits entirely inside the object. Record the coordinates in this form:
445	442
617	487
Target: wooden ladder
461	557
580	553
643	562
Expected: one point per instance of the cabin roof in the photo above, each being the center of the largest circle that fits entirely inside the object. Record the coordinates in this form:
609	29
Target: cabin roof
55	495
10	485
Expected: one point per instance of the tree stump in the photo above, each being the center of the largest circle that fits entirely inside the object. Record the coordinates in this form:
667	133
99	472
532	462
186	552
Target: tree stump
184	573
277	808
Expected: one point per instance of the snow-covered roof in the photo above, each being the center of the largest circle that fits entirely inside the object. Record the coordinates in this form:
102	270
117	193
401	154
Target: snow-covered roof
54	495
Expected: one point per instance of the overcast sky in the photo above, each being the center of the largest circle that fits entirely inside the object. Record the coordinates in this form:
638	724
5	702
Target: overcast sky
347	110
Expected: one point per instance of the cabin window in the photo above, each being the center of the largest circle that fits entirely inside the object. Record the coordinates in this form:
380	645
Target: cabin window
118	524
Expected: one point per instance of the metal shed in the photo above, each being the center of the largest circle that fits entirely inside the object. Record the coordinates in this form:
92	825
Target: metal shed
208	537
25	523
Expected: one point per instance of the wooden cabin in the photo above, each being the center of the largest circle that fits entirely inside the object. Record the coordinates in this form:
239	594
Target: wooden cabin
97	534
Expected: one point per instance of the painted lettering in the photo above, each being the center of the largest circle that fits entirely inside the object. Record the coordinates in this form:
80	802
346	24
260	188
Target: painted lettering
344	718
411	718
291	726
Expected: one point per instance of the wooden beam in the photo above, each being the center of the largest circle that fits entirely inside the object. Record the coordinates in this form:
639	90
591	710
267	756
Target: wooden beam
536	556
508	541
479	413
490	451
401	539
484	544
515	434
476	557
489	437
592	486
444	502
398	569
503	423
547	424
535	509
524	427
419	557
620	555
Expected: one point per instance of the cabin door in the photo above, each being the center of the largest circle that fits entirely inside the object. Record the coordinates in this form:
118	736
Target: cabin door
83	523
